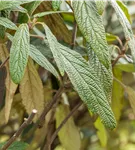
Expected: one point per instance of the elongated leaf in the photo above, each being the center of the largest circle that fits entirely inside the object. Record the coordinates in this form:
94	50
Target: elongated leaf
19	53
32	6
101	132
126	27
104	74
124	9
31	90
117	94
55	49
56	4
49	13
7	23
5	4
100	6
131	97
41	60
91	26
84	79
111	37
72	139
10	86
125	67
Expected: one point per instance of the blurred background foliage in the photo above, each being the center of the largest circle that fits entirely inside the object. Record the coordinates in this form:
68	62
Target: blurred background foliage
82	129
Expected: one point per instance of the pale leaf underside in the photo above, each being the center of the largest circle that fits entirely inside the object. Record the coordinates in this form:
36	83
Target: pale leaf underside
91	26
84	79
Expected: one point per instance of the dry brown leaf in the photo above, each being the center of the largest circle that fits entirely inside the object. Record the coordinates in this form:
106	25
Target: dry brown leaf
55	22
31	90
10	86
131	96
69	135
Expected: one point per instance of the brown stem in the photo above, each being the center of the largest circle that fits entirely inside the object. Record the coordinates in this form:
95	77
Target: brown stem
37	36
74	35
61	125
49	106
4	62
22	127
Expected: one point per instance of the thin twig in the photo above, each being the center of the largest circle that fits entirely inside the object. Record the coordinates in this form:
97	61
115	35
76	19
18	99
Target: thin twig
37	36
61	125
74	35
22	127
4	62
49	106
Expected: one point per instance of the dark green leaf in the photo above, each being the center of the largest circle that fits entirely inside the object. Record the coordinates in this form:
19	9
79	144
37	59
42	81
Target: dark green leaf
41	60
91	26
84	79
19	53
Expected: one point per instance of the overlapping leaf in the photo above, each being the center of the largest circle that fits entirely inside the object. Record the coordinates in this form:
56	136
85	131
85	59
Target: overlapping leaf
7	23
32	6
126	27
10	86
91	26
100	6
41	60
104	74
117	94
31	90
56	4
69	135
101	132
84	79
124	9
9	4
19	53
55	49
5	4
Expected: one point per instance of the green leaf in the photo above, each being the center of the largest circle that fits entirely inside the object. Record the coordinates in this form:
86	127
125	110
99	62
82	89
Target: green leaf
126	27
131	96
91	26
111	37
125	67
31	7
5	4
124	9
117	94
101	132
55	49
42	61
72	139
100	6
56	4
104	75
17	145
2	32
19	8
7	23
83	78
49	13
19	53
